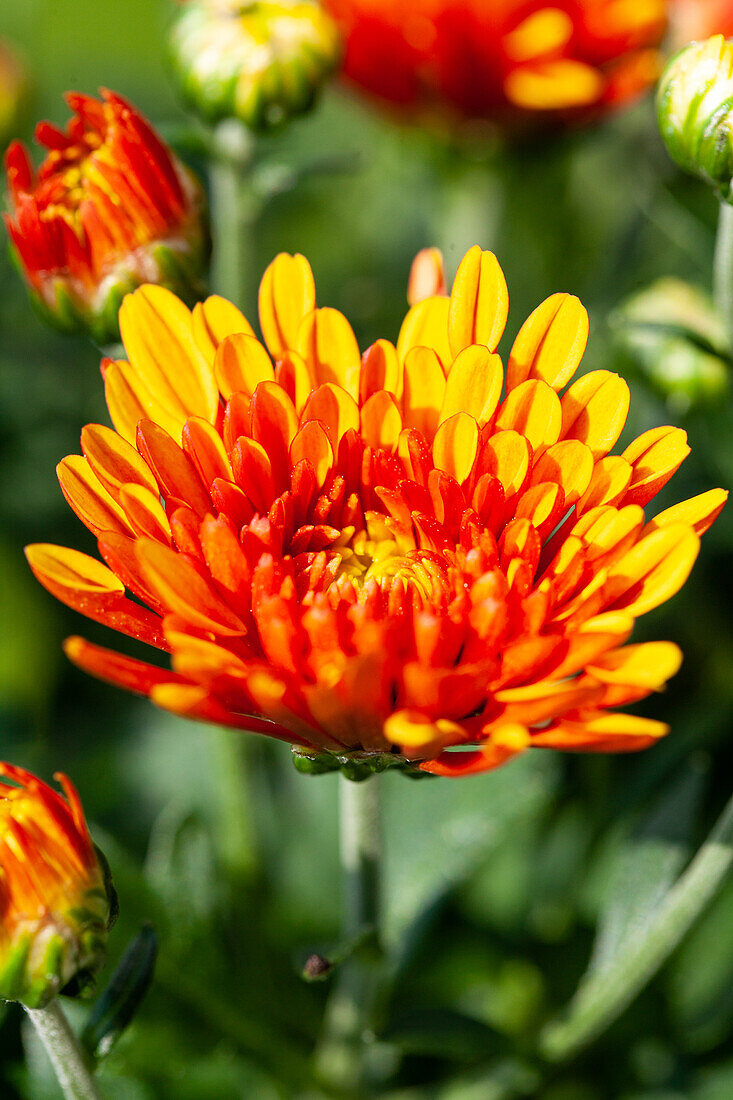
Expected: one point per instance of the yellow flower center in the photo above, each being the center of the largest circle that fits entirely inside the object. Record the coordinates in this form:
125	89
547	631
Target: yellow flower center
379	554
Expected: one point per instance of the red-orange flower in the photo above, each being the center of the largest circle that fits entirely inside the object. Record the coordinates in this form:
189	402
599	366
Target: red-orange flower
504	60
696	19
54	901
110	208
377	553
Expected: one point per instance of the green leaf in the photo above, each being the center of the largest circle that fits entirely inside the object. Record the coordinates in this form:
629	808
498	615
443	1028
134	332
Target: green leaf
647	866
605	993
118	1004
442	1033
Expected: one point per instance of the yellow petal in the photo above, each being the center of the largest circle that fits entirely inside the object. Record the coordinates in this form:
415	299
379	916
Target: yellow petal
90	500
156	329
380	370
473	385
381	422
479	302
594	410
145	513
312	443
287	295
426	326
533	410
72	570
553	85
543	32
699	512
427	276
654	458
550	343
647	666
335	409
327	343
454	446
611	477
129	401
653	570
114	461
241	363
568	463
214	320
507	458
424	390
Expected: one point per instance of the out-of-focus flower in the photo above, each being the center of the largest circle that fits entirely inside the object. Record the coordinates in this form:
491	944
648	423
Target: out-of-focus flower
56	902
510	61
110	208
695	111
696	19
13	88
261	61
376	553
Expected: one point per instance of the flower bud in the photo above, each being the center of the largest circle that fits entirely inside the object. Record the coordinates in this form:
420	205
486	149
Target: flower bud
13	89
694	111
56	901
260	62
109	209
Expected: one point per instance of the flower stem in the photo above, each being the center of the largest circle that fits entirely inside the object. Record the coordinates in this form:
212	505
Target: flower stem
65	1052
233	209
723	268
341	1059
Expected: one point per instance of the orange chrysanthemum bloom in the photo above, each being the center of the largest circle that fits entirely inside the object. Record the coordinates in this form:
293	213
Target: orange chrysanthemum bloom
109	209
55	900
505	60
396	552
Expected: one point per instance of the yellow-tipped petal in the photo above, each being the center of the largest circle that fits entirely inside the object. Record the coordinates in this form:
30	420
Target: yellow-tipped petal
287	295
454	447
327	343
241	363
473	385
424	391
594	410
479	302
550	344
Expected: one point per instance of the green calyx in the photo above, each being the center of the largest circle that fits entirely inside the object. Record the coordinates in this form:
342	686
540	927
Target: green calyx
695	111
261	62
356	766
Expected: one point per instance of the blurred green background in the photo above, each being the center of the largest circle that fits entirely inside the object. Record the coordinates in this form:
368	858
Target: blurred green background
513	873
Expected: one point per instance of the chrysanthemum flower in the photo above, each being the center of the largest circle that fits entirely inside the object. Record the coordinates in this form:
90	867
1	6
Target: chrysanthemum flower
109	209
695	19
259	62
401	551
505	60
55	899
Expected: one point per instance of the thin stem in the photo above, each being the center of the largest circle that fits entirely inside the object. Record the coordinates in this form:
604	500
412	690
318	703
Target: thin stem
65	1053
233	208
607	994
341	1059
723	268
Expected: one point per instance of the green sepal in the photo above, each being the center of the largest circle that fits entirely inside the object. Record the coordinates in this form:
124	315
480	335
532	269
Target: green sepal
356	766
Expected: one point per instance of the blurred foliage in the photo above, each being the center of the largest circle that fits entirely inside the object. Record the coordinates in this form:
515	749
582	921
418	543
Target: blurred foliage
495	885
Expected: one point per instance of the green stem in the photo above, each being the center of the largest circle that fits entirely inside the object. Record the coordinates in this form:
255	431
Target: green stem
232	758
233	209
341	1061
609	992
723	268
65	1052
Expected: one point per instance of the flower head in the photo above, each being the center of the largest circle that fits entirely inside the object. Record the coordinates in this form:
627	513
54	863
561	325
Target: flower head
510	61
377	553
110	208
261	61
55	901
695	111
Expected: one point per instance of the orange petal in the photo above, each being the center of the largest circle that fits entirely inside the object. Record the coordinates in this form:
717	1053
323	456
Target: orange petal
215	319
203	445
89	499
568	463
474	384
287	295
611	477
427	276
426	326
507	459
327	343
173	470
241	363
653	570
129	401
699	512
253	471
114	461
417	736
654	457
311	443
145	513
504	742
380	370
533	410
454	446
183	589
594	410
424	390
605	733
115	668
479	302
335	409
381	421
550	343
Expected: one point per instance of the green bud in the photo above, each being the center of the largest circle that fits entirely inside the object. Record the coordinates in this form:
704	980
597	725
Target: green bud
260	61
694	111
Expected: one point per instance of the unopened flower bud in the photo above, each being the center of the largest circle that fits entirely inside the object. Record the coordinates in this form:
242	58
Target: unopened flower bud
261	61
56	902
109	209
694	111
